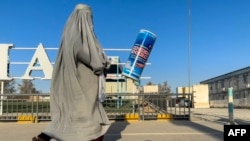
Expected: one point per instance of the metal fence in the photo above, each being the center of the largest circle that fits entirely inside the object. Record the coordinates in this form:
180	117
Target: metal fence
121	106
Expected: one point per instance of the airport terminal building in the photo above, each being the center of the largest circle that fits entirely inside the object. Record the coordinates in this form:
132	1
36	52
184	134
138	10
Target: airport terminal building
218	86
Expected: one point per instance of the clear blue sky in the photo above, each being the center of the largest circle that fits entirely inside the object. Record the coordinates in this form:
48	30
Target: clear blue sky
220	33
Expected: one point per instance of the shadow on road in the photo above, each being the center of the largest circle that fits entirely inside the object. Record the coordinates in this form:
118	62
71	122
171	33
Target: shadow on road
206	129
114	132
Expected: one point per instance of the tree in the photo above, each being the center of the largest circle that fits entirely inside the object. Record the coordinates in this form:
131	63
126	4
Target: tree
27	87
164	87
149	83
9	87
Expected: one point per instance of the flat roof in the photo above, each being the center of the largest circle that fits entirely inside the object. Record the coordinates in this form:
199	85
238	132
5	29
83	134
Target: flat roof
227	75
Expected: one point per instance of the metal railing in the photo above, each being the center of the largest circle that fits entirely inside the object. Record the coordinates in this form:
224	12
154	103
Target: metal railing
117	106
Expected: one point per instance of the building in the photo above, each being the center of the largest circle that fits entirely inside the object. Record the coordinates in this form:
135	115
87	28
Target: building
154	89
115	82
218	86
200	98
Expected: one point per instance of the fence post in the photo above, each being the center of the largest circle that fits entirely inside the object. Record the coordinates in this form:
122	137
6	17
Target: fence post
37	108
32	110
142	103
190	101
1	98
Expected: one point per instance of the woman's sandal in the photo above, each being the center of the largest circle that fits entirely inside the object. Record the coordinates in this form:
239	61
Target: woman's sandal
37	139
42	137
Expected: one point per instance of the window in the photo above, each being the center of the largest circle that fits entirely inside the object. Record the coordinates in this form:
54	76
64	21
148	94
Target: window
216	86
237	82
244	95
222	84
245	80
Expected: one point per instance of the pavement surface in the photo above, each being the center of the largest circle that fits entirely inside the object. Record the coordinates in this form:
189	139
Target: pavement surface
221	115
204	125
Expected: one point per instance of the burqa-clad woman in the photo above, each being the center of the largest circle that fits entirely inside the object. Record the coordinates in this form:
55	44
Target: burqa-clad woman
77	83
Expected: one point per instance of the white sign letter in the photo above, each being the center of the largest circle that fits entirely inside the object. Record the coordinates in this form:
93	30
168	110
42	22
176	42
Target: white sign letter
237	131
45	65
4	60
243	131
231	132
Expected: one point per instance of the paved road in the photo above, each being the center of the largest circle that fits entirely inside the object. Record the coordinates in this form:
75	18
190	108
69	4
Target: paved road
130	131
205	125
220	115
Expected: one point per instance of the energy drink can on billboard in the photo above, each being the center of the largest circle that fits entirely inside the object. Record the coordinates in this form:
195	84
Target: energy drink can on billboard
139	54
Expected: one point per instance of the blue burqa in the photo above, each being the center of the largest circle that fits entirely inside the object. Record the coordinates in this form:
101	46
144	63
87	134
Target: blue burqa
76	111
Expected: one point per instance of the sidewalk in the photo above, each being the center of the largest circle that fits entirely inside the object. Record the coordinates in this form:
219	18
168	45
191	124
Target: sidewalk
182	130
205	125
220	115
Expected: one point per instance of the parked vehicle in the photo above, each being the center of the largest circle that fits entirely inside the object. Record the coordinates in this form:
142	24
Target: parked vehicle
185	103
181	102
